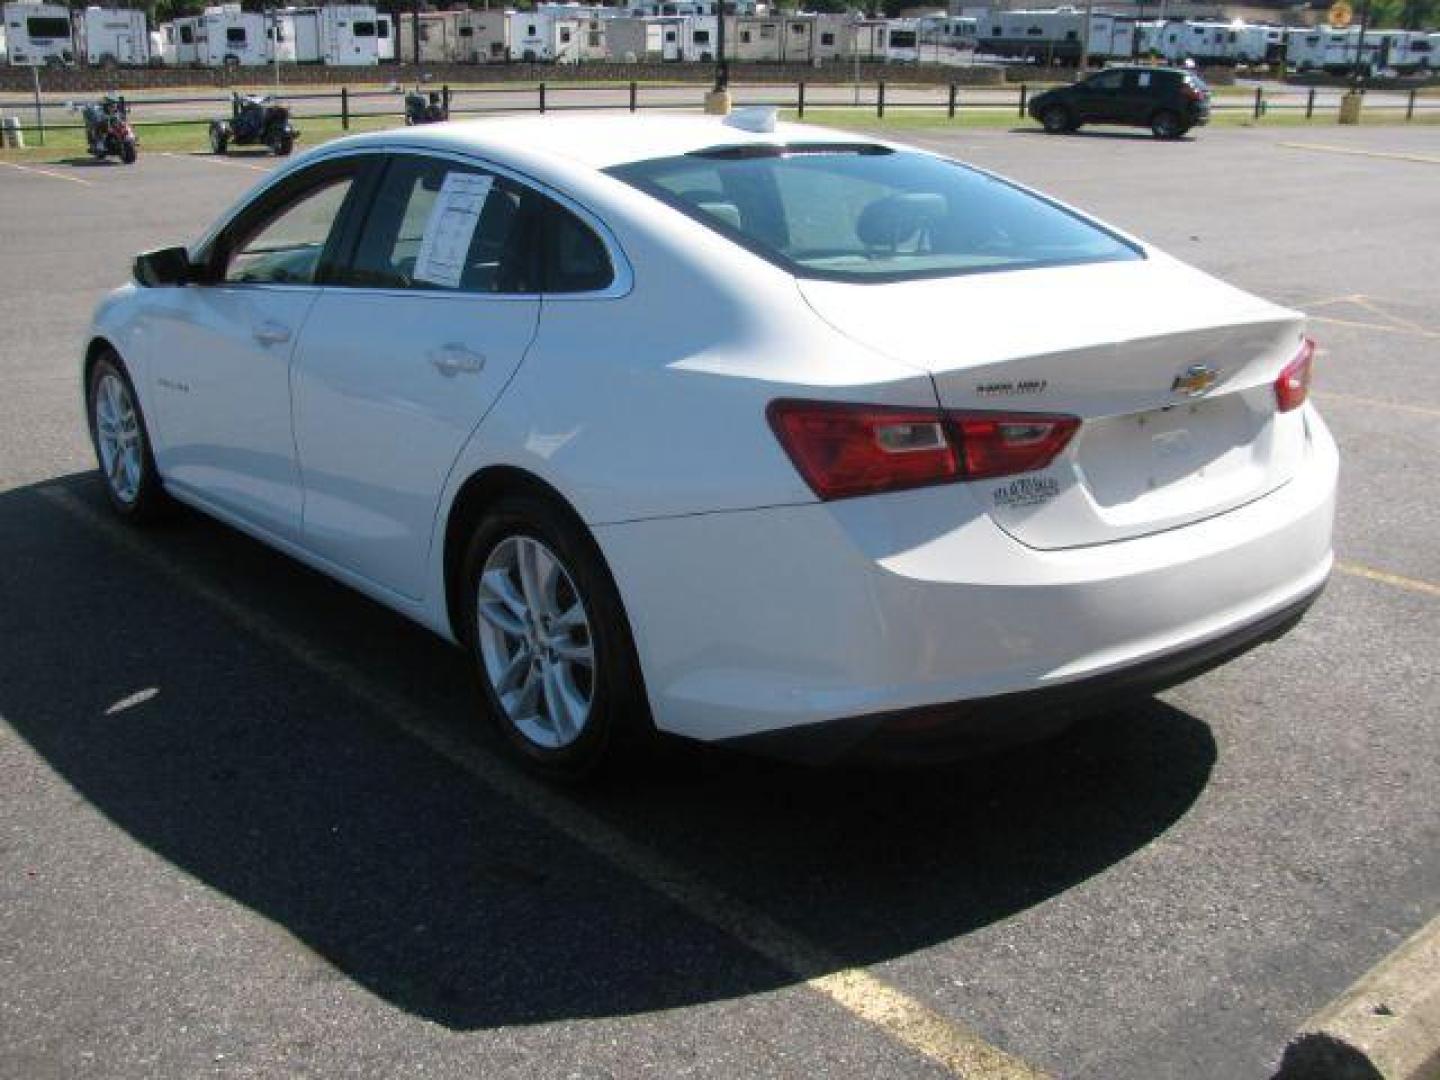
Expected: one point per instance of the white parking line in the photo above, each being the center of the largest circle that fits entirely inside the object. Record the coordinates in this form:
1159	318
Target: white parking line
46	172
215	160
955	1047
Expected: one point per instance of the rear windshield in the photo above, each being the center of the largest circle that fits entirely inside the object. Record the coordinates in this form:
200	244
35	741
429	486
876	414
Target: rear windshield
869	214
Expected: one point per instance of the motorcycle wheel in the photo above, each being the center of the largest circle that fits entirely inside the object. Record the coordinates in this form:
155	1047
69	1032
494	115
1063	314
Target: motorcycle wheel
283	145
218	141
129	152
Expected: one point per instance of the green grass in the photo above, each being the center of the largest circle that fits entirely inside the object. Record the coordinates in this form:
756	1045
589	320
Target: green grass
185	138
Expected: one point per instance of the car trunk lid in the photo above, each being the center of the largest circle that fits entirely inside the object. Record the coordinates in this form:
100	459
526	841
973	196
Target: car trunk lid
1170	372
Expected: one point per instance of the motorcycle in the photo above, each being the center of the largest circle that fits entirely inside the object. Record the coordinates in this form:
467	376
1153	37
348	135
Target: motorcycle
108	132
422	110
254	121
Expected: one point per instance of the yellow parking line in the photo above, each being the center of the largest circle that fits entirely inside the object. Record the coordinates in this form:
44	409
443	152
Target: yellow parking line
214	160
955	1047
46	172
1374	326
1423	159
1399	581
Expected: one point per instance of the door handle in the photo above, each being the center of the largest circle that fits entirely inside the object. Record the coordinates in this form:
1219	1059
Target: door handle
455	359
271	333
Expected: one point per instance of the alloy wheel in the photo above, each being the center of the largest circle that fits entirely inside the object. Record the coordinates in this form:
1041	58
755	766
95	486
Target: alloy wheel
535	642
117	431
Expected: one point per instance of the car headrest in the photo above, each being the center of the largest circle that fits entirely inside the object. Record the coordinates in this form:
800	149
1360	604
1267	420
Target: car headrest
727	213
889	221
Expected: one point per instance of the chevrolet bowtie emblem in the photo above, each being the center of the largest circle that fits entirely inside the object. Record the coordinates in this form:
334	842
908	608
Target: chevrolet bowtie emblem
1195	380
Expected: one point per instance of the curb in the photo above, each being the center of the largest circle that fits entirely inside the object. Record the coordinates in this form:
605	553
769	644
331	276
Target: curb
1385	1027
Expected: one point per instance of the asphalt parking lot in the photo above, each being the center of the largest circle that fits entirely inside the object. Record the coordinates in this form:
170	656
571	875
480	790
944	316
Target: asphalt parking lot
250	827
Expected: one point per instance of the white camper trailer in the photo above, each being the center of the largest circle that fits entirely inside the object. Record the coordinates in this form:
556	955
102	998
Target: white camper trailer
222	36
347	35
113	36
38	34
384	37
549	33
482	37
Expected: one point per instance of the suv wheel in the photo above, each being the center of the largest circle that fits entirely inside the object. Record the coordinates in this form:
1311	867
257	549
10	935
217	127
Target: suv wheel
1056	119
1167	125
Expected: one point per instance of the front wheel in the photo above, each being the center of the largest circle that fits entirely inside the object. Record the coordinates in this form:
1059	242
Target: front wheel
551	643
129	152
122	443
283	145
218	139
1056	119
1166	125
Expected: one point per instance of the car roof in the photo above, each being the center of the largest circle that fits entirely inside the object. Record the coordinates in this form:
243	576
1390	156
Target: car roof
596	142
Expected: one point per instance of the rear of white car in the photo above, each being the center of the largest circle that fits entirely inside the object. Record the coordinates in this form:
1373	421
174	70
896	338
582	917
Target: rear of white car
1115	483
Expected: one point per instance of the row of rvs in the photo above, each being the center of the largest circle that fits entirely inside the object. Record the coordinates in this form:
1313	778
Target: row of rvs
40	34
1059	35
675	30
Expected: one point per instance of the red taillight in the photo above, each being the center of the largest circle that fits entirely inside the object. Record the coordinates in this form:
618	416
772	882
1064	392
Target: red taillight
843	450
1293	385
1002	444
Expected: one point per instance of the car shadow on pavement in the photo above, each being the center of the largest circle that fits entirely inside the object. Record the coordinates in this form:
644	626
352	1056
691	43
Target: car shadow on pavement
263	775
1108	133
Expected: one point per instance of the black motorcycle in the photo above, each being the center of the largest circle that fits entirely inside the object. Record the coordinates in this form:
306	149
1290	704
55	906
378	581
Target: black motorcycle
254	121
423	109
108	132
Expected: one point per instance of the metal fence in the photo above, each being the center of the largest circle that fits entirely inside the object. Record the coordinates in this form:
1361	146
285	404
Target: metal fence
349	105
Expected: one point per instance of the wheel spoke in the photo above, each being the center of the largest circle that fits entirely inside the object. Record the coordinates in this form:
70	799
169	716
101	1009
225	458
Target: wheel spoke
500	605
574	652
565	708
515	671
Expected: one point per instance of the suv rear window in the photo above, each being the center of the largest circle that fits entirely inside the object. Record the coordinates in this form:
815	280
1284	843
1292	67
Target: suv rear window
865	213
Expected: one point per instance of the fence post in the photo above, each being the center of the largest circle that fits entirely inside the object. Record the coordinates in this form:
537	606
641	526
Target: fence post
1410	106
800	98
880	98
634	95
39	114
1259	101
542	97
445	99
344	108
954	94
1024	99
1310	104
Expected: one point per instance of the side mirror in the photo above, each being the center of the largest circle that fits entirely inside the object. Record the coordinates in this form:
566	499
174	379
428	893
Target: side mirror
164	266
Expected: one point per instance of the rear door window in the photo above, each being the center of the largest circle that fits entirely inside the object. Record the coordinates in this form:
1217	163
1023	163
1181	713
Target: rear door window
442	225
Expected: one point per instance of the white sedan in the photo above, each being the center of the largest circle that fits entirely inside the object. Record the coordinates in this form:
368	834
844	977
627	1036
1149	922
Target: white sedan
738	431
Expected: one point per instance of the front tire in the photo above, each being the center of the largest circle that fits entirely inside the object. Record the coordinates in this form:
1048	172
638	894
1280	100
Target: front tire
1056	119
122	443
128	152
551	644
283	146
218	140
1167	125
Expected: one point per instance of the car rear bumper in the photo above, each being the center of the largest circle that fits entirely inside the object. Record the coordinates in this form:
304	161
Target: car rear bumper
783	618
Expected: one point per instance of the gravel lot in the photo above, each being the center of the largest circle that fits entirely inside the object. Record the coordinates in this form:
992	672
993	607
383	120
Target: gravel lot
249	827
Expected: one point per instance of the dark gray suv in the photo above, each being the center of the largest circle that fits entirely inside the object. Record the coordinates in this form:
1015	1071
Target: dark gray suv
1168	101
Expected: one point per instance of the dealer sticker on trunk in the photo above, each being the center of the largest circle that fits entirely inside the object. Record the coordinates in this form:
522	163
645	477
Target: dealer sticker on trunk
1026	491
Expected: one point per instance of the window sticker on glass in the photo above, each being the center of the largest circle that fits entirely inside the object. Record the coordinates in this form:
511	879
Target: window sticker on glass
1144	78
451	226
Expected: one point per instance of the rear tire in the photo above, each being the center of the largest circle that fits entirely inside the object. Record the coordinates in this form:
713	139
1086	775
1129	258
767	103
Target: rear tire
128	152
1167	125
283	146
122	443
1056	120
547	632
